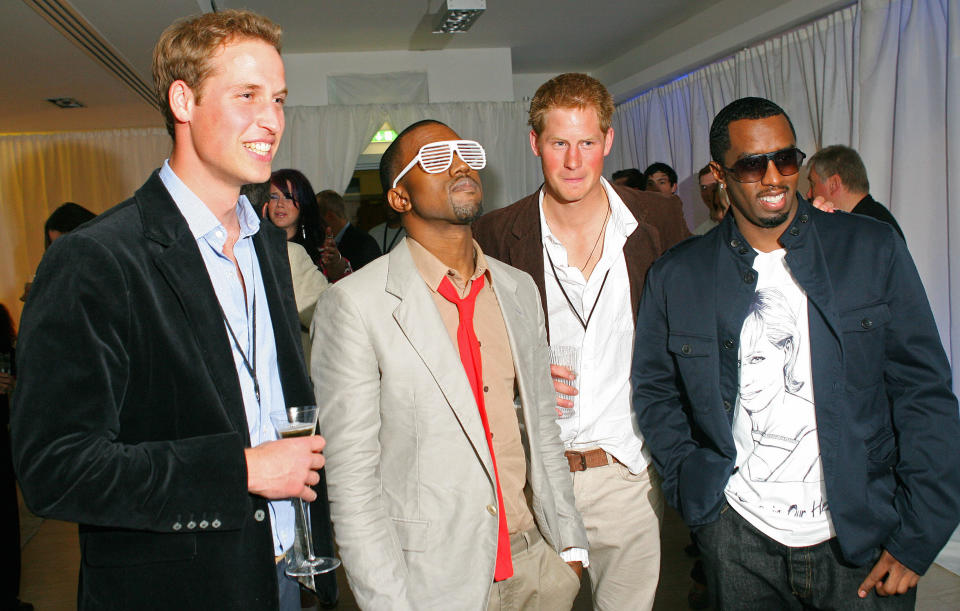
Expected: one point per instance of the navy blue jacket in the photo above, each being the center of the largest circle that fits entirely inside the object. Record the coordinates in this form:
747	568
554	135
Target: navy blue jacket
887	420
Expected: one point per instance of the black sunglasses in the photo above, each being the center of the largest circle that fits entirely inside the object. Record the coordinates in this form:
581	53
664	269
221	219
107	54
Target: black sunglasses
752	168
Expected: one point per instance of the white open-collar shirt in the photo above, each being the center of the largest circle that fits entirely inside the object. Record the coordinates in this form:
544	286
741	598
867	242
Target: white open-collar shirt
604	415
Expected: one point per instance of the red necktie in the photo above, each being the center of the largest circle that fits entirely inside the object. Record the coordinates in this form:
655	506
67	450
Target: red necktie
470	357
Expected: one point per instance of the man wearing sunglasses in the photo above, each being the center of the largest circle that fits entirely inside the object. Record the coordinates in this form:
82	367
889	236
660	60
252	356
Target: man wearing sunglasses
800	408
422	362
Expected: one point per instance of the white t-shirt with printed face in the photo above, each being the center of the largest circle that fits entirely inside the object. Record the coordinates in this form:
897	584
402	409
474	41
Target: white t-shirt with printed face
778	485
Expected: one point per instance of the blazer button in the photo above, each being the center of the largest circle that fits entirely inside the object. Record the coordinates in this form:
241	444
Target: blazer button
734	243
794	231
686	349
215	523
804	218
491	510
204	523
749	277
258	515
729	343
866	323
177	526
726	406
191	525
743	251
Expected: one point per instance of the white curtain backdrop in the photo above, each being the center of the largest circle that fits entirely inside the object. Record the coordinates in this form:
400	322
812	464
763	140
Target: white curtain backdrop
809	72
880	76
325	141
41	171
910	80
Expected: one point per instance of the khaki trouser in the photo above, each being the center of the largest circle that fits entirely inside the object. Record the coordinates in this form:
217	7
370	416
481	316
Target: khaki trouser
541	579
622	513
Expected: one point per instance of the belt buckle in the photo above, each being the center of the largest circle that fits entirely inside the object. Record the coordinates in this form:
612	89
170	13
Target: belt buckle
583	460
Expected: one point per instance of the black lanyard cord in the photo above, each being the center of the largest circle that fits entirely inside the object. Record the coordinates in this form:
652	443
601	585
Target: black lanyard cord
251	368
383	243
567	297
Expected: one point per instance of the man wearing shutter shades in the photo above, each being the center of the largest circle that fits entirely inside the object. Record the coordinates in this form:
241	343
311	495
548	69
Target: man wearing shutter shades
420	361
799	404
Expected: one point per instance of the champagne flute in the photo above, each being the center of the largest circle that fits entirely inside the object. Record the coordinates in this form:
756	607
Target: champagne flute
302	422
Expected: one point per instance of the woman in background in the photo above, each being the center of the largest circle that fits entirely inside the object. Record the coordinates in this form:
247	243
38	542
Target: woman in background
308	282
293	207
65	219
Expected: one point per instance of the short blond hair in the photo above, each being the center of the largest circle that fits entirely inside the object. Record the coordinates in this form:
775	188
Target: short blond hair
571	90
183	51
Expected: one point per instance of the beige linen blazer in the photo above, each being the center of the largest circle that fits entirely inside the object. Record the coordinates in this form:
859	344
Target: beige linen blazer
411	486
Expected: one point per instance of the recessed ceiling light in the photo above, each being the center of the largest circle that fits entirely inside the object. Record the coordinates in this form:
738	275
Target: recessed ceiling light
66	102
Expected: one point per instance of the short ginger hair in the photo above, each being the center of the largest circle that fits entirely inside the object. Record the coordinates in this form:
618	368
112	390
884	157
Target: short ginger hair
184	49
571	90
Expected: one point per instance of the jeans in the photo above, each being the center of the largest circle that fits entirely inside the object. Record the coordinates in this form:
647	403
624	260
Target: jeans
288	589
748	570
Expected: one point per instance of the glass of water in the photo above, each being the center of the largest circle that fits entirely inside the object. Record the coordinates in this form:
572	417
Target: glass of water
569	357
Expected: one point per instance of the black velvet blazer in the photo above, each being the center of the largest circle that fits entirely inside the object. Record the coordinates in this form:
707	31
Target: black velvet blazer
128	416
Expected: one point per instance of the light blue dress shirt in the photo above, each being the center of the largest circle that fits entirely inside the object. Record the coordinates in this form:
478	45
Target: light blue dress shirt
257	342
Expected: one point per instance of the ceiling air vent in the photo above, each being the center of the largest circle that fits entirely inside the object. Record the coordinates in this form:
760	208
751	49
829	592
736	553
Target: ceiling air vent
68	21
66	102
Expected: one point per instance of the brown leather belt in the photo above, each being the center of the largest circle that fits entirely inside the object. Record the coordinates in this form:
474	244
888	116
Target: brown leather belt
581	461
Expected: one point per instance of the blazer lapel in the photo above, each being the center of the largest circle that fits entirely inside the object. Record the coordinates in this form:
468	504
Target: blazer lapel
525	250
516	320
180	263
421	324
522	335
639	251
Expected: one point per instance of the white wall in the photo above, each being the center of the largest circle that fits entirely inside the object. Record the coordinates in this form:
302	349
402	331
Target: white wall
453	75
474	75
525	85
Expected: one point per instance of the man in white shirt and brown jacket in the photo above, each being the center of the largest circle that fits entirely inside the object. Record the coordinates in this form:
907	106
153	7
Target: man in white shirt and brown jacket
588	246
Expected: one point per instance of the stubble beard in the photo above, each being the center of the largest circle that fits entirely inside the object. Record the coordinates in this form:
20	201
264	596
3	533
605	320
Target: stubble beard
773	221
467	214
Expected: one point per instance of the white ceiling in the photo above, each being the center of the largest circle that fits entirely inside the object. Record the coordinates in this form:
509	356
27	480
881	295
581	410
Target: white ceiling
544	36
